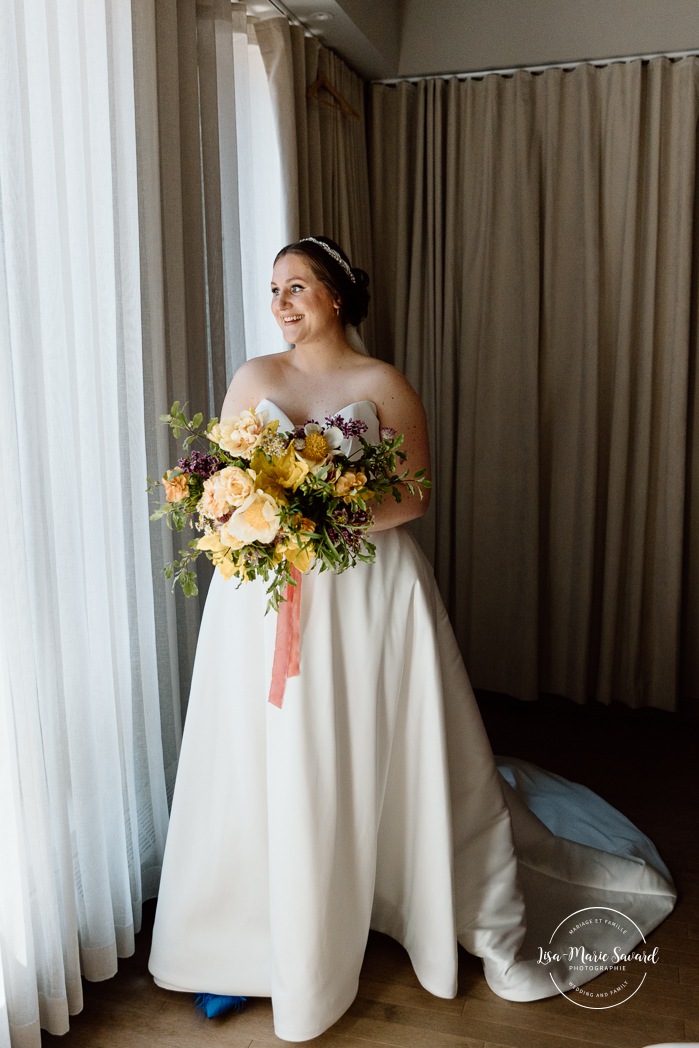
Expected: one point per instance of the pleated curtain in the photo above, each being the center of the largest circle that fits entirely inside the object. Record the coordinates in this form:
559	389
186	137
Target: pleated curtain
323	147
210	217
137	165
182	281
536	269
83	790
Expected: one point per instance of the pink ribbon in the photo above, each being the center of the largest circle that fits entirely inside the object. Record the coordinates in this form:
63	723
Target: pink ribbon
286	646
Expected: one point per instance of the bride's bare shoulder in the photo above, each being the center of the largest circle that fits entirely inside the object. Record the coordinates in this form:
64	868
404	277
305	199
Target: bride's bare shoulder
268	364
388	381
250	383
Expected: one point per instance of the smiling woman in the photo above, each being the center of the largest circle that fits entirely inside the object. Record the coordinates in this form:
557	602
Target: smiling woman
349	303
317	299
301	304
370	796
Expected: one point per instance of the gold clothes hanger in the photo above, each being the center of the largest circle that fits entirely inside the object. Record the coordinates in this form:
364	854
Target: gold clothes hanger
336	101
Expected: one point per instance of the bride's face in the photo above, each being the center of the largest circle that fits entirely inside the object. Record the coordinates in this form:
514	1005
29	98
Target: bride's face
303	307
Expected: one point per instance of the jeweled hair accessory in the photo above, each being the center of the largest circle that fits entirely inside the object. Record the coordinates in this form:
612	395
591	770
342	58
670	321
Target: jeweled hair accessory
333	253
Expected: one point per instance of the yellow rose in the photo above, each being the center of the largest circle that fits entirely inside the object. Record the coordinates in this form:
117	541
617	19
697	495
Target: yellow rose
176	488
350	484
227	567
298	548
221	554
300	558
241	435
211	543
257	520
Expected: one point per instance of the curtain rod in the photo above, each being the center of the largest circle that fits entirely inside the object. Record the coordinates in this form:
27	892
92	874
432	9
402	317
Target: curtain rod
289	15
283	10
477	74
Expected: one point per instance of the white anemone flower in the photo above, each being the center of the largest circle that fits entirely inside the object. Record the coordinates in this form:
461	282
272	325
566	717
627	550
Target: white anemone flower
332	434
319	443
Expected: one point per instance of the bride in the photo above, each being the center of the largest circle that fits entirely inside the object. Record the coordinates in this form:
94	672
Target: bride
371	799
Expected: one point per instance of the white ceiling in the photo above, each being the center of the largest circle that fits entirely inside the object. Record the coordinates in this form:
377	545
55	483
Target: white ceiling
365	32
382	39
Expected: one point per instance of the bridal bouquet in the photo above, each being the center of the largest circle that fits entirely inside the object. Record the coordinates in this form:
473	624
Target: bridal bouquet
265	501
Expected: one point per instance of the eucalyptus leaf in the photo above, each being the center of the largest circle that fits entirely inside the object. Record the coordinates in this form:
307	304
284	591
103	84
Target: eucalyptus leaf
189	583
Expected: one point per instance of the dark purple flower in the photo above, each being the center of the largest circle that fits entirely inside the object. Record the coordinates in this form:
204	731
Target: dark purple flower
355	518
348	427
349	528
203	465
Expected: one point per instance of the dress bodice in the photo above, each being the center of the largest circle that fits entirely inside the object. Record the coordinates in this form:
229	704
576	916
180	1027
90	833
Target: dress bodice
359	411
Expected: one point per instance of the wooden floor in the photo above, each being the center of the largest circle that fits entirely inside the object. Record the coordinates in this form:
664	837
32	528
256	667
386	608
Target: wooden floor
645	763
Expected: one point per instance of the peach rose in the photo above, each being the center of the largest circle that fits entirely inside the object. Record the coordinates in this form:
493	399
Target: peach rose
226	490
233	485
240	436
211	504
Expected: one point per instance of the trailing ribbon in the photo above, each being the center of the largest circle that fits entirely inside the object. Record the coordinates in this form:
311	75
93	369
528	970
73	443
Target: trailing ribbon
286	647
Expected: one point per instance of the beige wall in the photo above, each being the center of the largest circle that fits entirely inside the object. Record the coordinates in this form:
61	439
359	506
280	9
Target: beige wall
379	21
445	36
364	32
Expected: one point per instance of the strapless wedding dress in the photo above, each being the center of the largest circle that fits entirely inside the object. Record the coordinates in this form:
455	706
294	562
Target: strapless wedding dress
371	799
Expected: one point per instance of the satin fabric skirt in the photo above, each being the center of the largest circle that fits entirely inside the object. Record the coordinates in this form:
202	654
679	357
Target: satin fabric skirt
371	799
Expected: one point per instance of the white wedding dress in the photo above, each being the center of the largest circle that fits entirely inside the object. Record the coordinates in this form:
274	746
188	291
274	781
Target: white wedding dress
371	799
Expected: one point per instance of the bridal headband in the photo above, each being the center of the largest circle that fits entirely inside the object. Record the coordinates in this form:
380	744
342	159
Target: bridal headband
334	254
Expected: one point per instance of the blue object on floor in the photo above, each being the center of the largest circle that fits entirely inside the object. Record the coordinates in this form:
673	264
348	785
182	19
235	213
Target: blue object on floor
212	1005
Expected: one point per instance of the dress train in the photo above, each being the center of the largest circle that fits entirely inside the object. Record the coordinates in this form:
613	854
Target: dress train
370	800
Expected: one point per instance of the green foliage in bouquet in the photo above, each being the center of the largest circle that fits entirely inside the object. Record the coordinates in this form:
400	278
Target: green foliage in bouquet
264	500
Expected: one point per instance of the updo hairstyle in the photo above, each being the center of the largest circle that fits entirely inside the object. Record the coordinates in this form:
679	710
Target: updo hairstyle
349	285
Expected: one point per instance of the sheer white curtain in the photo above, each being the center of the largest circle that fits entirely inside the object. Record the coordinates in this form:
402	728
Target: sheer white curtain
83	806
257	174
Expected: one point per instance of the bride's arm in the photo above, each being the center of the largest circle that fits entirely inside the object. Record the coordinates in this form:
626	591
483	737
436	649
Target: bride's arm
400	408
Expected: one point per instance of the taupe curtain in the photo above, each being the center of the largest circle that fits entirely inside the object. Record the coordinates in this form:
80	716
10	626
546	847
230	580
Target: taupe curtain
191	296
536	270
323	148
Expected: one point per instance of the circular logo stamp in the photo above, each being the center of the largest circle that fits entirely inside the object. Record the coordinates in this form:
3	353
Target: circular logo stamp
598	958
